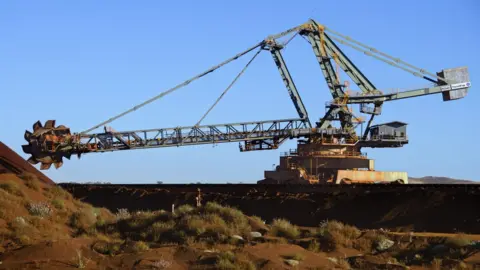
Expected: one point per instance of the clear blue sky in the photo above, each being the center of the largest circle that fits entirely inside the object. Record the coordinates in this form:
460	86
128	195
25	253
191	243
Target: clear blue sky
81	63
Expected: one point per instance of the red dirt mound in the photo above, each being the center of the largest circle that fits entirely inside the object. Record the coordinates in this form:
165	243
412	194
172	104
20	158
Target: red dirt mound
11	162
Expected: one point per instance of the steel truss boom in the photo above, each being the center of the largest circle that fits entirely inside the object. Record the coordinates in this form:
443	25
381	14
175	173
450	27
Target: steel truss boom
261	135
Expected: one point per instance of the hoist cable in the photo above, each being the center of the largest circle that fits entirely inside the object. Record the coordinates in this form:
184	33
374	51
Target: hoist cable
228	88
175	88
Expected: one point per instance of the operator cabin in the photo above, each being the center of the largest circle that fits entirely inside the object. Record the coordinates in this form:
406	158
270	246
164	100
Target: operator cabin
390	130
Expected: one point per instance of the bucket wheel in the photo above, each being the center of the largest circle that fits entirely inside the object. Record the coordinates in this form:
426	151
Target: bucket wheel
48	144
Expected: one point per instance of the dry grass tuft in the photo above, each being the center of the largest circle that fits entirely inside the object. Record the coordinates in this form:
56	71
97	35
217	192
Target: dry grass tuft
184	209
234	218
12	188
336	233
436	264
140	246
58	203
228	260
58	192
458	241
283	228
342	263
83	221
79	261
31	180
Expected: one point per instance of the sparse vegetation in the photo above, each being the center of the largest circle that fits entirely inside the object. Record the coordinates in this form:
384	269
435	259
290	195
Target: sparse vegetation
458	241
58	203
228	261
314	246
283	228
122	214
12	188
335	233
83	221
183	209
200	228
140	246
41	209
79	260
58	192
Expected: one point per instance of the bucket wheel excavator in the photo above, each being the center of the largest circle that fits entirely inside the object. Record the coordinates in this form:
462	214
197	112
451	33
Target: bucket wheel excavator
327	152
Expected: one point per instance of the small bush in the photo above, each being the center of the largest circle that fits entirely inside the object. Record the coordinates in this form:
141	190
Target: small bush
12	188
140	246
258	219
58	203
314	246
32	184
57	191
24	240
183	209
458	241
122	214
283	228
83	221
336	233
40	209
195	225
227	260
235	218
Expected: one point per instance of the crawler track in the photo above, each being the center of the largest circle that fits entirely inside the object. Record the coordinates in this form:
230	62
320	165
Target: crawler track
433	208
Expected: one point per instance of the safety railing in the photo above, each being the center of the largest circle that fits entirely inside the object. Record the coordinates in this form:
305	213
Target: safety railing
387	137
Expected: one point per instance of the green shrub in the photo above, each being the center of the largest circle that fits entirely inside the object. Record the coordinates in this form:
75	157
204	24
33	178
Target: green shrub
228	261
314	246
140	246
184	209
58	203
283	228
234	218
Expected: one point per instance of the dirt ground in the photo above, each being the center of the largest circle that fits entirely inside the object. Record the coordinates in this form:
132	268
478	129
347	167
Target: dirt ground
42	226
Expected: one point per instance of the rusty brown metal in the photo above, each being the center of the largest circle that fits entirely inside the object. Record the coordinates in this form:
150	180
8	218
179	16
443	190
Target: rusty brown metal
45	144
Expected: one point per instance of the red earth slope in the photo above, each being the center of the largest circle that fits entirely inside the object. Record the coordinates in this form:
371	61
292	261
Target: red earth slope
11	162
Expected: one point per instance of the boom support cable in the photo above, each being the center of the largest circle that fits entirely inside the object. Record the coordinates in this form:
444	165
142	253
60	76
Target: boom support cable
228	88
175	88
383	60
373	50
